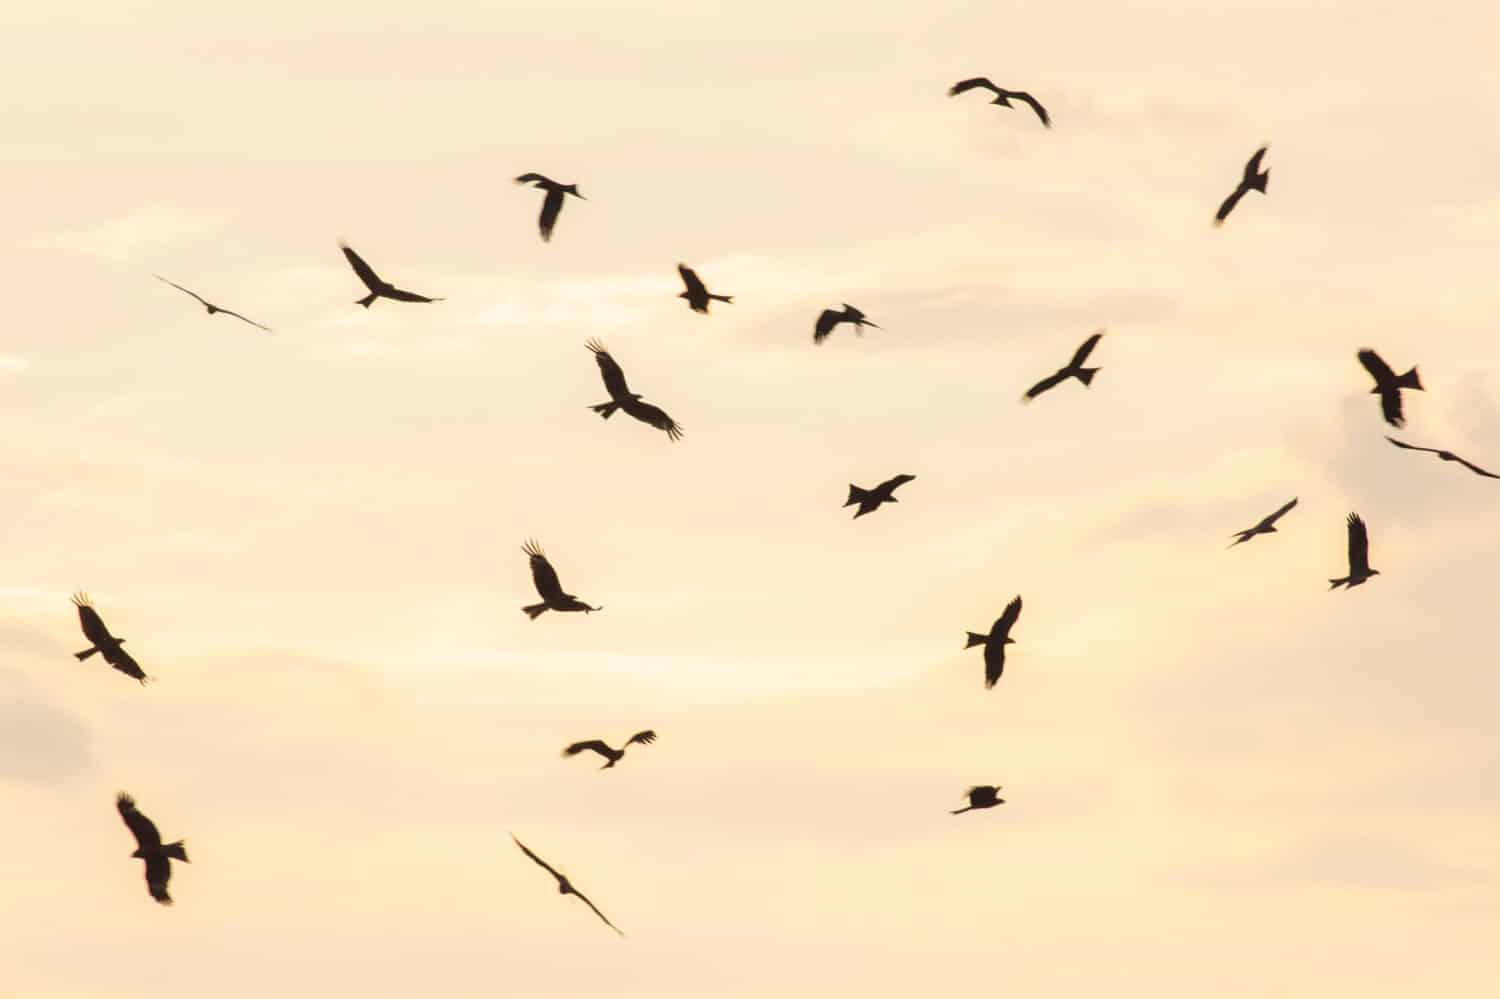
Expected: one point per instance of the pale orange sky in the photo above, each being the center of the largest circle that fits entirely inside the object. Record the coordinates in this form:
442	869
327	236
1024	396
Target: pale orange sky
1221	779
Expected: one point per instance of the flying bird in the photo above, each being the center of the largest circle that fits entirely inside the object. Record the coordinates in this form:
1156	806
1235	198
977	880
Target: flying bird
1359	556
1267	525
697	295
1003	97
1074	369
379	287
149	847
621	398
1388	385
102	642
870	499
995	642
1446	456
613	756
550	590
981	796
211	307
552	203
564	886
829	318
1254	180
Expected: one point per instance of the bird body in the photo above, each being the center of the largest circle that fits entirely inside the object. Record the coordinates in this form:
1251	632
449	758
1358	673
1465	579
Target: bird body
871	499
102	642
149	847
378	286
1267	524
995	642
1003	97
211	307
981	796
621	398
1359	556
829	318
1073	369
1254	179
1446	456
697	294
553	202
1388	385
564	886
611	755
548	587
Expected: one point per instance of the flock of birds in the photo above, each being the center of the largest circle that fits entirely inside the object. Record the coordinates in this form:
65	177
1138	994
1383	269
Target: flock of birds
158	856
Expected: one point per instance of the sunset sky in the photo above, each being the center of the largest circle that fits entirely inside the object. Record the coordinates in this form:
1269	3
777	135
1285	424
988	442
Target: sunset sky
1221	779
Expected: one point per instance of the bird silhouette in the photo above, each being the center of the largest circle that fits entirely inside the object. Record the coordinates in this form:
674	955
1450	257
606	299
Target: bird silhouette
1074	369
211	307
564	886
379	288
1267	525
696	294
621	398
552	203
981	796
612	756
1359	556
1388	385
995	642
829	318
1003	97
1254	179
1446	456
871	499
149	847
547	586
102	642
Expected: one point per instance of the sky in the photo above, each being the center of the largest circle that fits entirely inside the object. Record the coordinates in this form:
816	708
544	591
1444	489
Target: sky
1220	778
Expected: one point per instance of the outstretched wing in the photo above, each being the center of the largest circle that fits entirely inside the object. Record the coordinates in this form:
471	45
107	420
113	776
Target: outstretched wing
1050	382
645	738
609	369
365	271
537	860
551	208
1036	105
401	295
963	86
252	322
532	178
1085	349
123	661
542	573
180	288
690	278
1378	369
1475	468
1273	518
894	482
597	745
827	320
158	873
1006	621
1413	447
1390	406
91	623
146	836
1228	205
1359	547
653	416
601	915
1252	166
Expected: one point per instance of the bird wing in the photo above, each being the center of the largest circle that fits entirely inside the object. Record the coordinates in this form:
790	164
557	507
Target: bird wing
180	288
994	663
963	86
1006	620
123	661
537	860
551	208
827	320
1359	547
653	416
1376	366
645	738
1390	406
1036	105
1412	447
402	295
1475	468
1085	349
1228	205
532	178
146	836
252	322
690	278
1050	382
365	271
609	369
591	905
542	573
1273	518
158	873
893	483
597	745
91	623
1252	166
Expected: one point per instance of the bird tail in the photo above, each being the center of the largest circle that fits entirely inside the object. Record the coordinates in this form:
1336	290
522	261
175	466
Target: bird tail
1410	380
960	811
721	298
532	610
1336	583
975	640
81	656
1086	375
856	495
177	851
367	300
606	409
1260	180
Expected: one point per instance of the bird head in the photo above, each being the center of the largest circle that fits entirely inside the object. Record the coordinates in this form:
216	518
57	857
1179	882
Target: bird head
139	854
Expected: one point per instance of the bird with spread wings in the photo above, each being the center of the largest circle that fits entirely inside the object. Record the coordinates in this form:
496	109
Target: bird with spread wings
564	886
211	307
1388	385
1254	179
1446	456
611	755
621	398
981	796
829	318
1073	369
1359	556
551	204
379	287
1003	97
1267	524
697	294
995	642
149	847
102	642
548	587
